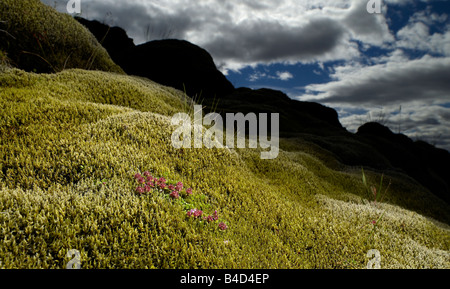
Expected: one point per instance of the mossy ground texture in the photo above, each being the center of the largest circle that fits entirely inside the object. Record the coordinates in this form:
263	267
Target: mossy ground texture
72	142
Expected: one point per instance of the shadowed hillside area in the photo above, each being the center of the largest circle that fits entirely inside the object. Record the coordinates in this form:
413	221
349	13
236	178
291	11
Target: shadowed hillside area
87	164
48	44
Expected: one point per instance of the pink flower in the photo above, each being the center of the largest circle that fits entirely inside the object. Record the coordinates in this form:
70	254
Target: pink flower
149	179
174	195
162	180
141	180
140	190
147	174
137	176
194	213
191	212
179	186
162	185
223	226
198	213
189	191
171	187
212	218
147	188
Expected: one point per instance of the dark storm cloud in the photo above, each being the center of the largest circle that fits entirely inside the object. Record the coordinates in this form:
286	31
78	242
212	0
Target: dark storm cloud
236	33
265	41
391	83
371	29
142	22
445	115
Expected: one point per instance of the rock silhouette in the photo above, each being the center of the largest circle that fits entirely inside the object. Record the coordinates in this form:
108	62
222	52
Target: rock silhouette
420	160
295	116
114	39
172	62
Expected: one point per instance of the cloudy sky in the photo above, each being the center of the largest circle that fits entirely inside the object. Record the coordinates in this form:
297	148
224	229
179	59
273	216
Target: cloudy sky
392	67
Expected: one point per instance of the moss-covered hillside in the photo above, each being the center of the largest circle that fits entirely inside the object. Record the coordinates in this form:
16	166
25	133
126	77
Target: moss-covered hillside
87	164
71	145
35	37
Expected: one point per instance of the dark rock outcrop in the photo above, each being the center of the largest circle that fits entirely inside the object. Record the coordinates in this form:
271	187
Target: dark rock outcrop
182	65
422	161
175	63
114	39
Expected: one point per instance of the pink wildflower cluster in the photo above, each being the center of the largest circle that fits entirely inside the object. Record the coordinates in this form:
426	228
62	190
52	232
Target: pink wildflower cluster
212	218
196	214
223	226
147	183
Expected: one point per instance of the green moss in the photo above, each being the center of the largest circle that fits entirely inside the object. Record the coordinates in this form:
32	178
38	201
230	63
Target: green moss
41	39
62	133
55	109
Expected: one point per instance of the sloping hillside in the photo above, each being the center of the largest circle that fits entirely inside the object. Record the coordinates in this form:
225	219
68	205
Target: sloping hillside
72	143
84	156
37	38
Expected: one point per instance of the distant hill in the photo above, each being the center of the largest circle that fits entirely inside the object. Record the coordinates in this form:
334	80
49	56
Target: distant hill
420	160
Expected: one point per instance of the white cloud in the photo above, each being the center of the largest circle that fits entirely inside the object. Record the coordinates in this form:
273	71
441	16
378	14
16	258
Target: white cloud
257	76
362	93
279	75
285	75
416	34
371	29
